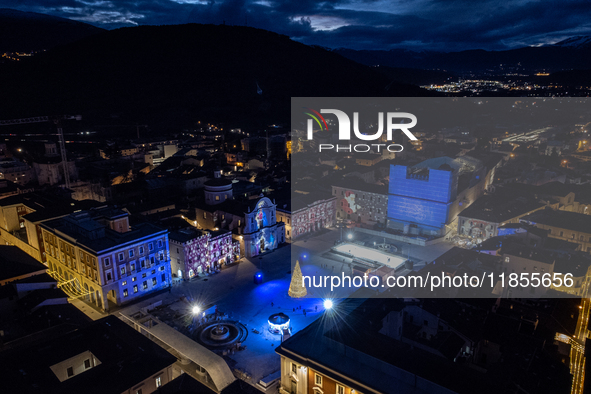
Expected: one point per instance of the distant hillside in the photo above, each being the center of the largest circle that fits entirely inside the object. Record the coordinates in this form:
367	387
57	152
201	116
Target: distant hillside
183	72
29	31
574	53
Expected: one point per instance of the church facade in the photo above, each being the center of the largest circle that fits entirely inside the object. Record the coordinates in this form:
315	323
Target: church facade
262	232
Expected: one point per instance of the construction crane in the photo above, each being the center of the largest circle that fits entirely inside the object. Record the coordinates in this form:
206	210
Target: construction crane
57	120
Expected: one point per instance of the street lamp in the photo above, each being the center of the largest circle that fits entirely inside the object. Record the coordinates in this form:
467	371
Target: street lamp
350	236
196	310
328	304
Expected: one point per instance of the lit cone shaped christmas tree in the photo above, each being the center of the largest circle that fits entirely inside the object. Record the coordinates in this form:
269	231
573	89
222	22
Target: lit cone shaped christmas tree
296	287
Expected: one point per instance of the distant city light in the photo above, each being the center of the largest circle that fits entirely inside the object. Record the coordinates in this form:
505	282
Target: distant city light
328	304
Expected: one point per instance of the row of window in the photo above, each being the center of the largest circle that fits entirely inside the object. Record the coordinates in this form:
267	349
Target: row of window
131	253
573	236
319	379
144	285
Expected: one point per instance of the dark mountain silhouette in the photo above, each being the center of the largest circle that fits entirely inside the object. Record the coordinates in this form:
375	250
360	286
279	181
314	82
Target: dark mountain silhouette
29	31
574	53
184	73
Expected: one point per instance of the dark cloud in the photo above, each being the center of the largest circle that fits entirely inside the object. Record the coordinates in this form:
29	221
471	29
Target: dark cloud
447	25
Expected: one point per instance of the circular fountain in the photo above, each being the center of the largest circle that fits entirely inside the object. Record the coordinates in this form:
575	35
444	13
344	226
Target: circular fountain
221	334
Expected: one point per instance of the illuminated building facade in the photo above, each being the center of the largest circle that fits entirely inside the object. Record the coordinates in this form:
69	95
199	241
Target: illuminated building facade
195	252
311	213
360	202
426	198
97	256
262	231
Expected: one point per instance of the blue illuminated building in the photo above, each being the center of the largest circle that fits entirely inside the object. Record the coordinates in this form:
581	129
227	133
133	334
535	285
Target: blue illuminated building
424	198
420	198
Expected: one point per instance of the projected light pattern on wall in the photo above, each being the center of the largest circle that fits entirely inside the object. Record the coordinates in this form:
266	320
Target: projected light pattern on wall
420	196
434	185
412	210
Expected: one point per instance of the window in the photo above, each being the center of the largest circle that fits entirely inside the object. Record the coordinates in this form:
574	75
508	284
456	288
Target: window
177	250
131	267
130	253
163	277
318	380
162	268
139	391
294	368
121	256
87	258
125	293
87	363
153	272
144	275
506	259
150	246
124	283
107	261
561	233
158	381
141	250
133	279
145	285
161	256
70	372
204	215
143	263
154	281
108	276
122	271
159	243
217	198
340	389
135	288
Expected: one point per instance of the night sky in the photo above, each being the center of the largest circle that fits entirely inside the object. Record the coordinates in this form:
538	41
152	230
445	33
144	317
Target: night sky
446	25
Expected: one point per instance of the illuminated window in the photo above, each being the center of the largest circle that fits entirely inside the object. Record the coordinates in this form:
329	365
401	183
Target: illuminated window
318	380
294	368
135	288
154	281
87	363
145	285
158	381
159	243
124	283
340	389
133	279
122	271
130	253
125	293
217	198
107	261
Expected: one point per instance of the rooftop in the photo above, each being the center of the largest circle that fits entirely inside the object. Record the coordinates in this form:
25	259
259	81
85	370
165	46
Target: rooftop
126	359
561	219
14	263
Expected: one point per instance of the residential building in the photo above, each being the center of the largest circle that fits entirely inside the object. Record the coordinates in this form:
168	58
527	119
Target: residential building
108	260
106	356
570	226
195	252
